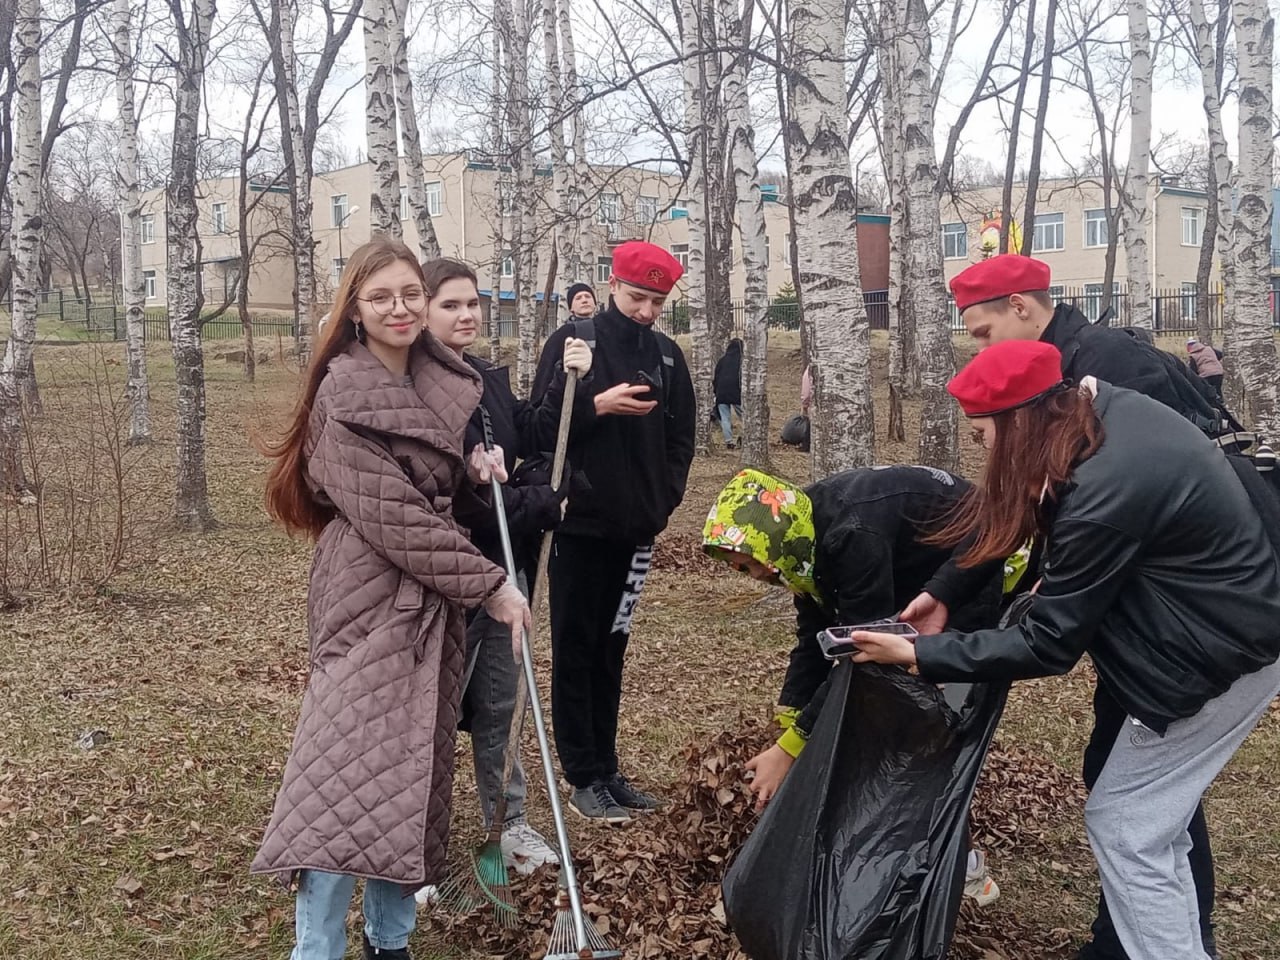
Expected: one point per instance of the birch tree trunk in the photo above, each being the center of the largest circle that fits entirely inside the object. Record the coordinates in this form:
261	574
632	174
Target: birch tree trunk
702	362
1137	219
736	29
1221	212
581	268
304	248
500	191
129	200
1251	346
182	277
524	233
843	431
24	191
901	336
1011	163
938	441
380	118
406	107
560	173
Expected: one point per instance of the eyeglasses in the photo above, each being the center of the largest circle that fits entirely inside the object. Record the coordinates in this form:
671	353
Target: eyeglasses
384	304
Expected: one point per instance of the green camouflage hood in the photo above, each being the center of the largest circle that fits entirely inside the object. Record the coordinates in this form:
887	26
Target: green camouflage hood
769	520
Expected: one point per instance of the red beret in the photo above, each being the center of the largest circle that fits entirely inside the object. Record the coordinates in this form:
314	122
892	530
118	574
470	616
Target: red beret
646	265
1007	375
998	277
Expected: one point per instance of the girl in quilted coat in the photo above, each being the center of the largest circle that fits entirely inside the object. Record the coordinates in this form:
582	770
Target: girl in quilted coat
370	467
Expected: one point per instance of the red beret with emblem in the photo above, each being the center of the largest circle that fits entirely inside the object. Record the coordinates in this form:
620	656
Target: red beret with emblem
1007	375
999	277
646	265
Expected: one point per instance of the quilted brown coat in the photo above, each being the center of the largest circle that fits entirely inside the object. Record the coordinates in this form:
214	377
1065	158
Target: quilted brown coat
368	783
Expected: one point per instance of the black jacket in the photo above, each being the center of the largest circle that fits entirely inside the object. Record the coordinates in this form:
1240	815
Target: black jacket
516	424
1157	565
728	376
637	467
869	563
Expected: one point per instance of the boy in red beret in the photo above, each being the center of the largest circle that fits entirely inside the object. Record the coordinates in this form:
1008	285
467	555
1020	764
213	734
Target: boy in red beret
632	435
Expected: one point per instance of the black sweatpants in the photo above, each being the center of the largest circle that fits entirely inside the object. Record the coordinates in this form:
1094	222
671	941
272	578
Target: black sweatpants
594	586
1108	719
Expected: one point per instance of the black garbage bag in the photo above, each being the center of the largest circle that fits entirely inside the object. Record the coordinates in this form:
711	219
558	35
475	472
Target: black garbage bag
861	852
795	432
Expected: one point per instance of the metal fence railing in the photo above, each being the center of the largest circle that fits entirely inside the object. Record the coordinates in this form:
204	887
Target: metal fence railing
79	318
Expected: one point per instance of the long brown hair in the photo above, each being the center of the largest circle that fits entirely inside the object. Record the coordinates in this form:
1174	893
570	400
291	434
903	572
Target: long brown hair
289	499
1036	449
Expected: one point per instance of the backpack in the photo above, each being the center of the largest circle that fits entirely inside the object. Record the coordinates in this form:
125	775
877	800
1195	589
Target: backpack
586	330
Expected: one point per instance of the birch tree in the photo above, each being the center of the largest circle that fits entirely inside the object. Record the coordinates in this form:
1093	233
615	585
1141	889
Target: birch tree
406	108
560	170
701	361
520	126
751	233
1136	215
24	244
1209	51
1011	160
380	117
1037	131
129	200
938	446
902	365
826	226
1250	342
582	264
496	131
182	276
299	126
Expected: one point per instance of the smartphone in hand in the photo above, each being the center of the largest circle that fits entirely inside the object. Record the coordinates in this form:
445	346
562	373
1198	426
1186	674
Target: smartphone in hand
837	643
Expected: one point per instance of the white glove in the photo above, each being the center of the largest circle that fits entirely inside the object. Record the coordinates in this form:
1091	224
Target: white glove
577	356
483	464
507	605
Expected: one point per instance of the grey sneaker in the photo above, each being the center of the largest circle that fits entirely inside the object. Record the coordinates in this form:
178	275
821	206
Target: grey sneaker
596	802
629	797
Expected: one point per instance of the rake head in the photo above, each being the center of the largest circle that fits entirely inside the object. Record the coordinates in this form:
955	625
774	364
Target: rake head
484	883
564	941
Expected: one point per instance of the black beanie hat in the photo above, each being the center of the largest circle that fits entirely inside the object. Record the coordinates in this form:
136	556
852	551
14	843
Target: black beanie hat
578	288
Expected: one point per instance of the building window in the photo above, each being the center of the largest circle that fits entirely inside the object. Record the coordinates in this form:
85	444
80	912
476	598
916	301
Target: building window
955	241
1056	291
1093	299
435	197
508	265
338	264
646	209
786	250
604	269
220	217
506	198
149	280
681	252
768	252
404	202
680	210
608	211
1192	226
338	210
1188	300
147	226
1050	232
1095	228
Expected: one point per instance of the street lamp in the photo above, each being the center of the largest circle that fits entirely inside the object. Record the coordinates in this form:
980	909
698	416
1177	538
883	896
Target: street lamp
342	223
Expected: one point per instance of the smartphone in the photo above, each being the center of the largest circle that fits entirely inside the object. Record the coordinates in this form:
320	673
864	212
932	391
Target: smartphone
836	643
642	379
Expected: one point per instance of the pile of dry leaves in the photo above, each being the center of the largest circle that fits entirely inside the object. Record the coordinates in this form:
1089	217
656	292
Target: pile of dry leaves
654	888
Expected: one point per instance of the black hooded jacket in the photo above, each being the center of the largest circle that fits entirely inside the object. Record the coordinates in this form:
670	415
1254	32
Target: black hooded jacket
637	466
728	375
869	563
1157	565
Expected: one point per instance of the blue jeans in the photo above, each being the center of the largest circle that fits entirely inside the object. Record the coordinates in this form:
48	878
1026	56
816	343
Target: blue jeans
321	915
725	425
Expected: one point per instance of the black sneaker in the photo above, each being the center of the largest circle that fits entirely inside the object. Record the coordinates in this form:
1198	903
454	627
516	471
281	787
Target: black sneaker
379	953
630	797
596	802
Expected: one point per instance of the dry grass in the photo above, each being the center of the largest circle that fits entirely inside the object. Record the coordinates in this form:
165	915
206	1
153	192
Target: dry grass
193	662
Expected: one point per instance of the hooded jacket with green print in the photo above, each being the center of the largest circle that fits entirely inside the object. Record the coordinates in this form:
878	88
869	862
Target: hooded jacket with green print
848	548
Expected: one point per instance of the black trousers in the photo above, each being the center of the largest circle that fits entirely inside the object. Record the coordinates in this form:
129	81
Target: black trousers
1108	719
594	586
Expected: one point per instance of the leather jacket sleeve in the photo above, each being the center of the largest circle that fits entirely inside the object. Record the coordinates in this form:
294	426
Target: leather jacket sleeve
1088	564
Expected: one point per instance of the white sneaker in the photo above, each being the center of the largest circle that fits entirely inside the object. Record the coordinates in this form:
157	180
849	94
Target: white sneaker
525	850
427	896
978	884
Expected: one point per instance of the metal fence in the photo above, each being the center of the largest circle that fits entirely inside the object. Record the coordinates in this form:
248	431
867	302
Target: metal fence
78	318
